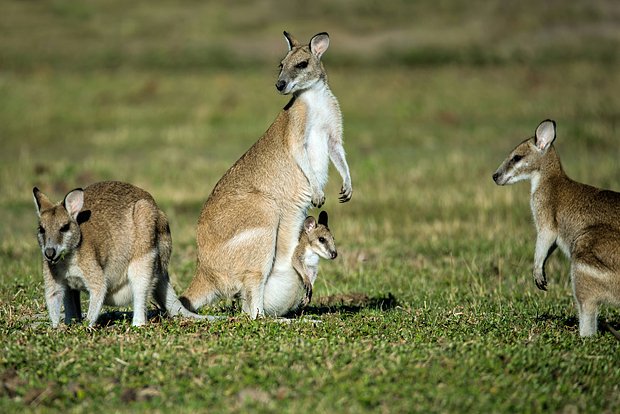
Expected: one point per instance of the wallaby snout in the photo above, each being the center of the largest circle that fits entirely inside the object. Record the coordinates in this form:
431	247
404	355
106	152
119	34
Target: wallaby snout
280	85
50	254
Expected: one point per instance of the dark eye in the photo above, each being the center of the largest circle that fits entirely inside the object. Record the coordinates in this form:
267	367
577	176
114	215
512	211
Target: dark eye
517	158
322	239
280	66
41	230
65	228
302	65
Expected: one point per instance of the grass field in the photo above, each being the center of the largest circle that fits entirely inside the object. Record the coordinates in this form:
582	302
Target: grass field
430	306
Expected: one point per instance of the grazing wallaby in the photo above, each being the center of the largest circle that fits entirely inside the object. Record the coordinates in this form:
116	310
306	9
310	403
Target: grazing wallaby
288	291
250	224
583	221
111	240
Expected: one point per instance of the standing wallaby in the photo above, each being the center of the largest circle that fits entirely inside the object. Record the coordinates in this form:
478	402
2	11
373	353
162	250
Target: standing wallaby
583	221
250	224
288	291
111	240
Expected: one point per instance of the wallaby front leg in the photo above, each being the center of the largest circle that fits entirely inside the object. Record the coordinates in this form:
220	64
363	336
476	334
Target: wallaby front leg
97	293
318	197
307	283
338	157
54	294
545	242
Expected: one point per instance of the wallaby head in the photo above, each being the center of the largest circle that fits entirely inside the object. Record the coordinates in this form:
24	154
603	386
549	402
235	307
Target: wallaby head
59	224
301	68
320	239
529	157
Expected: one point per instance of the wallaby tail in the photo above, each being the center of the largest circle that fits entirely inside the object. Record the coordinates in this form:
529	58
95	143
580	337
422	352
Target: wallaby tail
164	292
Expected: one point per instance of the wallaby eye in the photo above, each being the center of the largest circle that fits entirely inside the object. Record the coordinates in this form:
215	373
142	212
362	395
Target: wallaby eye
41	230
280	66
302	65
65	228
322	239
517	158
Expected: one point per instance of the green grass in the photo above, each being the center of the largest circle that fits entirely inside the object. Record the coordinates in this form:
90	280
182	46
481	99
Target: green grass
430	306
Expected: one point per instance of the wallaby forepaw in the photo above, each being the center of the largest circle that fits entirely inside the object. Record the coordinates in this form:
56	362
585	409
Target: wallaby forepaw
345	193
307	298
541	281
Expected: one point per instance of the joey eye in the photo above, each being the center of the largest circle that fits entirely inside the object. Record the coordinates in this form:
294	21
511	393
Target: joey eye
302	65
65	228
516	158
280	66
41	230
322	239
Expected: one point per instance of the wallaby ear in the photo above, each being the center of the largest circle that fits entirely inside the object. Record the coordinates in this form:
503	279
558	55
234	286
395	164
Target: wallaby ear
290	40
40	201
319	44
545	134
73	202
309	224
323	218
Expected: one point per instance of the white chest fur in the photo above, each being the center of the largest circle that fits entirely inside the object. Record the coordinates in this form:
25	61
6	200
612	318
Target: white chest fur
324	120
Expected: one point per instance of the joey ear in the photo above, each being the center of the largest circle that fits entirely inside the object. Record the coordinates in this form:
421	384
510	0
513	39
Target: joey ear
545	134
290	40
323	218
41	201
319	44
73	202
309	224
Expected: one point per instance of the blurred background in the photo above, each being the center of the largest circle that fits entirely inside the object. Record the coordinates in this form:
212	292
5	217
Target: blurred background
168	94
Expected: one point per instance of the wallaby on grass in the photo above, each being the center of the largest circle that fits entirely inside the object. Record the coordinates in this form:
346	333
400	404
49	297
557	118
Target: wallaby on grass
111	240
249	226
583	221
289	291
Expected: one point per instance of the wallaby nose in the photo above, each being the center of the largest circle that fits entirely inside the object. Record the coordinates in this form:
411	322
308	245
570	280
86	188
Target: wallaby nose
495	177
280	85
50	253
334	254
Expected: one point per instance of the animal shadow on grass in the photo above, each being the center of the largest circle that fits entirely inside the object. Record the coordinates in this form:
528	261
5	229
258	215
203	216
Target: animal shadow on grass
347	303
114	317
572	322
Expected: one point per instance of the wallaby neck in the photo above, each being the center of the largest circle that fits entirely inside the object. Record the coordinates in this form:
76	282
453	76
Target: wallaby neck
550	169
316	93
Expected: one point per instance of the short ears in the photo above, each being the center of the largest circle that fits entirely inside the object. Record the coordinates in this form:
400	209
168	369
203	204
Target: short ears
309	224
319	44
40	200
290	40
545	134
323	218
73	202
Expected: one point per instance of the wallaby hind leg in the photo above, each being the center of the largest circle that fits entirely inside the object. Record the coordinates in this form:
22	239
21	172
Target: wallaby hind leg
586	284
253	295
145	260
199	293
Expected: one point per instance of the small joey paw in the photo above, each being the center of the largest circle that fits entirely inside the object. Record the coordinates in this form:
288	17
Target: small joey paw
318	200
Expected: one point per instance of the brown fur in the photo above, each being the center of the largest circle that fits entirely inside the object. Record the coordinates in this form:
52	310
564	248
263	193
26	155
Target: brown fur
110	240
250	223
582	220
